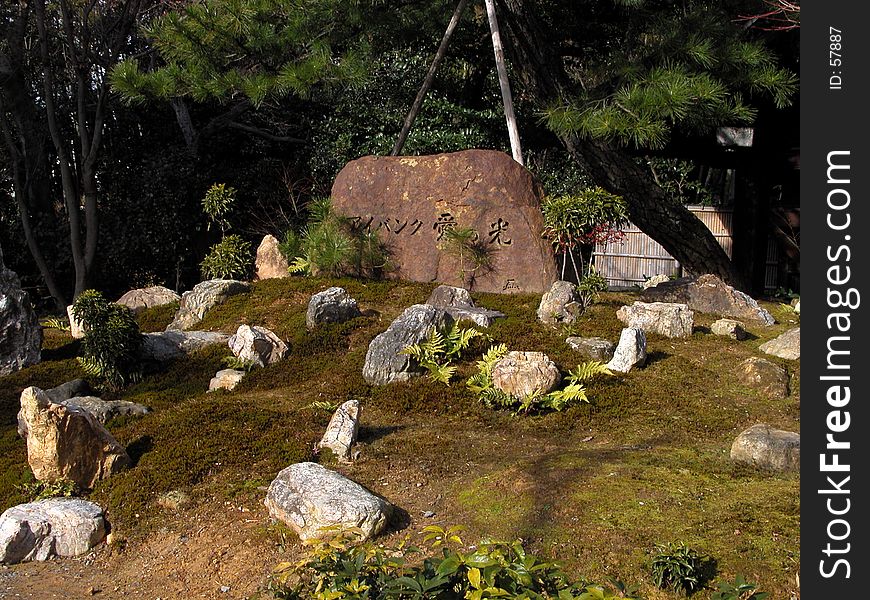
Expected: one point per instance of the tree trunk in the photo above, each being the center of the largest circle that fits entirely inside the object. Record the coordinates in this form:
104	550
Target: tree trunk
503	83
680	232
430	77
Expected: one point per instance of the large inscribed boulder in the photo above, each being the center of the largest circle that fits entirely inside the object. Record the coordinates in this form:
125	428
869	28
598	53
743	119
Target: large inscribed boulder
412	201
20	332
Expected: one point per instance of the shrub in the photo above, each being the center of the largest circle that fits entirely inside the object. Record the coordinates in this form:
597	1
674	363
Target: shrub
573	393
40	490
218	203
338	569
330	245
110	348
678	567
436	351
228	259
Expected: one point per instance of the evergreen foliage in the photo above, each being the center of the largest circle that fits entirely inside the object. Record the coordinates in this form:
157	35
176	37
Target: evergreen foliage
228	259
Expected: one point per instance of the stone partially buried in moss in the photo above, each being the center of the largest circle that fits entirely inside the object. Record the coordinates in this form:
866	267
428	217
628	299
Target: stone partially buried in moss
203	297
525	374
787	345
763	446
671	320
769	378
318	503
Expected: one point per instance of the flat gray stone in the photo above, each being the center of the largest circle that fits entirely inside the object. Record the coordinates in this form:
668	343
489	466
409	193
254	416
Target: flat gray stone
202	298
593	348
106	410
318	503
764	446
457	302
559	305
671	320
765	376
168	345
56	527
142	298
70	389
709	294
385	362
729	328
332	305
787	345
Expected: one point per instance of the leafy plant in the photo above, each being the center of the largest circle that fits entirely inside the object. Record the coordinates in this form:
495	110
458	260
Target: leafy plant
465	245
59	323
239	364
340	568
675	176
41	490
573	393
323	406
218	203
590	286
739	589
329	245
110	348
228	259
678	567
435	352
591	216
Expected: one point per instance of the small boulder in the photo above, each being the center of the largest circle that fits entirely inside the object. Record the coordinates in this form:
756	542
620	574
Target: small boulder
787	345
270	262
729	328
664	318
342	430
168	345
709	294
56	527
796	305
226	379
630	351
257	345
20	331
76	327
525	374
105	410
760	373
70	389
766	447
202	298
654	281
333	305
64	442
142	298
561	304
593	348
319	503
385	362
458	304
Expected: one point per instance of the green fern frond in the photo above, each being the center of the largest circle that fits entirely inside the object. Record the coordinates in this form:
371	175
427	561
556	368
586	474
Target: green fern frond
573	393
300	264
588	370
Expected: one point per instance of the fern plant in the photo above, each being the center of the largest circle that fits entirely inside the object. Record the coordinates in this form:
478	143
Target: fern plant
573	393
438	349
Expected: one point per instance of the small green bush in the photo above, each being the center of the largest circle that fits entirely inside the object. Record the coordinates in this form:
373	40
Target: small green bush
340	569
228	259
110	348
218	203
40	490
678	567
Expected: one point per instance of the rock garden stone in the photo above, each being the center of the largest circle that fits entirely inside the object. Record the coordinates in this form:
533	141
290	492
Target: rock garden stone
168	345
411	200
56	527
202	298
654	281
630	351
664	318
226	379
768	377
20	331
525	374
709	294
797	306
257	345
458	303
105	410
64	442
342	430
560	304
384	361
593	348
333	305
729	328
270	262
766	447
142	298
787	345
318	503
70	389
76	327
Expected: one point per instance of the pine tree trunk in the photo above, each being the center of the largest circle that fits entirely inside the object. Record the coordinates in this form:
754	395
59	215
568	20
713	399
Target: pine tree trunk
680	232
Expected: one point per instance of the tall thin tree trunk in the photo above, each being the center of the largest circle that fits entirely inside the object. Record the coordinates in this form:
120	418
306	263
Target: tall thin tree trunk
504	84
430	77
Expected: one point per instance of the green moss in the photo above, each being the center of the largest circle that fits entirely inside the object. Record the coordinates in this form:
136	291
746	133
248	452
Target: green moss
156	318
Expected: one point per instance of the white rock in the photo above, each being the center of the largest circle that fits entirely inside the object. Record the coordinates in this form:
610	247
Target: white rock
318	503
257	345
142	298
342	430
270	263
226	379
729	328
56	527
525	374
787	345
164	346
332	305
664	318
630	351
76	328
